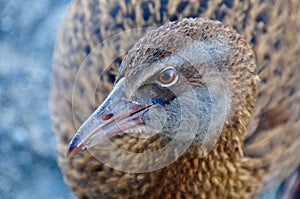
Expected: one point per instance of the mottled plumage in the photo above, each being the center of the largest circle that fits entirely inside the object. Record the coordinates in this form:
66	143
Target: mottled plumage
249	157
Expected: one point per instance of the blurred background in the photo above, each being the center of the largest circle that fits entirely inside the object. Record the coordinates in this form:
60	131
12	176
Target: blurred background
28	167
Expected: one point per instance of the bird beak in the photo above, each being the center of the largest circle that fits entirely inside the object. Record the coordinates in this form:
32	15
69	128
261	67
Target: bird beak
114	116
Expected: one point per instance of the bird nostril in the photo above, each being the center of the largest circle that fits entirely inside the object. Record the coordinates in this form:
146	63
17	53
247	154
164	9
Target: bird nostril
108	116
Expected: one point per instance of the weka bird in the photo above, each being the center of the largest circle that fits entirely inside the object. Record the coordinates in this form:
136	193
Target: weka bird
184	71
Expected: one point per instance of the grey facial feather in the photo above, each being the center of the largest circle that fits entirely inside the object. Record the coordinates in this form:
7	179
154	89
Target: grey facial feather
199	52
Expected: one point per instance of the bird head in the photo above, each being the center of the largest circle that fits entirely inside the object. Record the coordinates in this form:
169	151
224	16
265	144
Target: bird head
183	80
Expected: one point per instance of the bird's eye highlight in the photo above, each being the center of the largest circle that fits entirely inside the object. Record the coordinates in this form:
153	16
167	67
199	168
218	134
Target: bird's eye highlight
167	77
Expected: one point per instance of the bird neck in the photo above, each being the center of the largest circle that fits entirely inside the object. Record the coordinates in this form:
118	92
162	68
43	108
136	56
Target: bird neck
230	143
220	170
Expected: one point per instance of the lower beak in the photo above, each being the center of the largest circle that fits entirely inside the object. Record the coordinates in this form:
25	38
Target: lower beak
114	116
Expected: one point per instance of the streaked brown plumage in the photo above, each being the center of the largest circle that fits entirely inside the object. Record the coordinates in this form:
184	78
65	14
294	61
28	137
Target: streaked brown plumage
269	143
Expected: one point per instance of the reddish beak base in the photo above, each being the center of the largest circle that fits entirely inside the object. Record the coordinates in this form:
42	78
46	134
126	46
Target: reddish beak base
111	118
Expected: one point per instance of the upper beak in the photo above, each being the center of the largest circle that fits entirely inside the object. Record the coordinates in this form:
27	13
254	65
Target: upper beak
111	118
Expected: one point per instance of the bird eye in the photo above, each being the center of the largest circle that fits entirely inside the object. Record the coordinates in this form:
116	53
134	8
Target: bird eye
167	77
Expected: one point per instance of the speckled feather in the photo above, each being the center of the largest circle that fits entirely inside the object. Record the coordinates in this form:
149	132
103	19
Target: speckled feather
253	158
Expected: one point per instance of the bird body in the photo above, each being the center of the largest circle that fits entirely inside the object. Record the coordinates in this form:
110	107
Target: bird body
256	148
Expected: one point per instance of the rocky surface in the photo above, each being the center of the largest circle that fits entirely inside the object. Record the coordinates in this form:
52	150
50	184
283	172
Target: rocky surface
28	167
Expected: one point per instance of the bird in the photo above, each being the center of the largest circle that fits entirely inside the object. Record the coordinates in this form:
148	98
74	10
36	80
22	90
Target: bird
254	94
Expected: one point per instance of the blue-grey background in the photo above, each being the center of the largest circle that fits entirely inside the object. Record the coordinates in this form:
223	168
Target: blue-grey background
28	167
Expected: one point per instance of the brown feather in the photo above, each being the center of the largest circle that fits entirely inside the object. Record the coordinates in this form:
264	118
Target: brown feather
247	159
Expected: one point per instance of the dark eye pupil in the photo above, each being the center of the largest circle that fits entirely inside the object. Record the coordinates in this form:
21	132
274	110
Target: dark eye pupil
166	76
